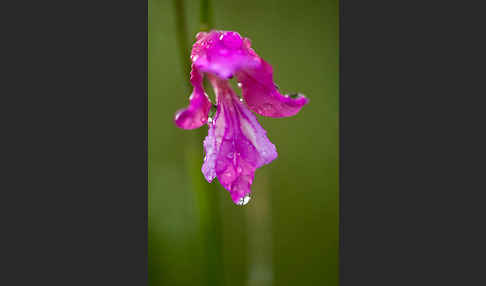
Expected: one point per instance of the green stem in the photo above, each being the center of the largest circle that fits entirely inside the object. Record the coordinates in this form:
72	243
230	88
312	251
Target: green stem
182	43
206	15
207	195
207	200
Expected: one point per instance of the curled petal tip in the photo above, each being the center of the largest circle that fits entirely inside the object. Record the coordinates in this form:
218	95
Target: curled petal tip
262	95
196	113
186	119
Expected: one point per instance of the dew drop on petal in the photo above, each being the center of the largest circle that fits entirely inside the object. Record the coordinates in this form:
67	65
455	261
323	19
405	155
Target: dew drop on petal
210	120
243	201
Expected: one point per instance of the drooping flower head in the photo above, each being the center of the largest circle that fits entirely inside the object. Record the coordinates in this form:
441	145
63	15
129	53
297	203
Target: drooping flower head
236	144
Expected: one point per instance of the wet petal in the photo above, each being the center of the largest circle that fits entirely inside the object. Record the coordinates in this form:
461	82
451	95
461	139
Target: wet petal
196	114
226	53
222	53
262	96
236	145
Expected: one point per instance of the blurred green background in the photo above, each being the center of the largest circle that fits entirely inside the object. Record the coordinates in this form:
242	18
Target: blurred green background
288	233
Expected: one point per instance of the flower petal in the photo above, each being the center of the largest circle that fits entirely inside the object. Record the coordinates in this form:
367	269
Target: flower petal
226	53
236	144
262	96
222	53
196	114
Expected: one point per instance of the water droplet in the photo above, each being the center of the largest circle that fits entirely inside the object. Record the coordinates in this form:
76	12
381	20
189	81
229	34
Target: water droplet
194	58
240	84
221	37
243	201
200	34
241	99
210	120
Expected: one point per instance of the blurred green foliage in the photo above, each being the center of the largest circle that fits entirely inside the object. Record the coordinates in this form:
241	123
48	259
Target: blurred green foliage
299	190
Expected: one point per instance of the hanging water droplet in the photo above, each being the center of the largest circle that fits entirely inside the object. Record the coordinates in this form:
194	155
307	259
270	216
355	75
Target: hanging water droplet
240	84
243	201
210	120
241	99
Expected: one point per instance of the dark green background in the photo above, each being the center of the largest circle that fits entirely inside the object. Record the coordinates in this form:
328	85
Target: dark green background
290	227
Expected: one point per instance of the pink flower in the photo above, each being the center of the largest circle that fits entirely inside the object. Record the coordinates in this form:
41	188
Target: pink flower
236	144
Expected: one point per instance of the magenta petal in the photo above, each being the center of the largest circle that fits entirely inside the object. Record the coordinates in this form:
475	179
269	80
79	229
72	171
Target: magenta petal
196	114
226	53
262	96
236	145
222	53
